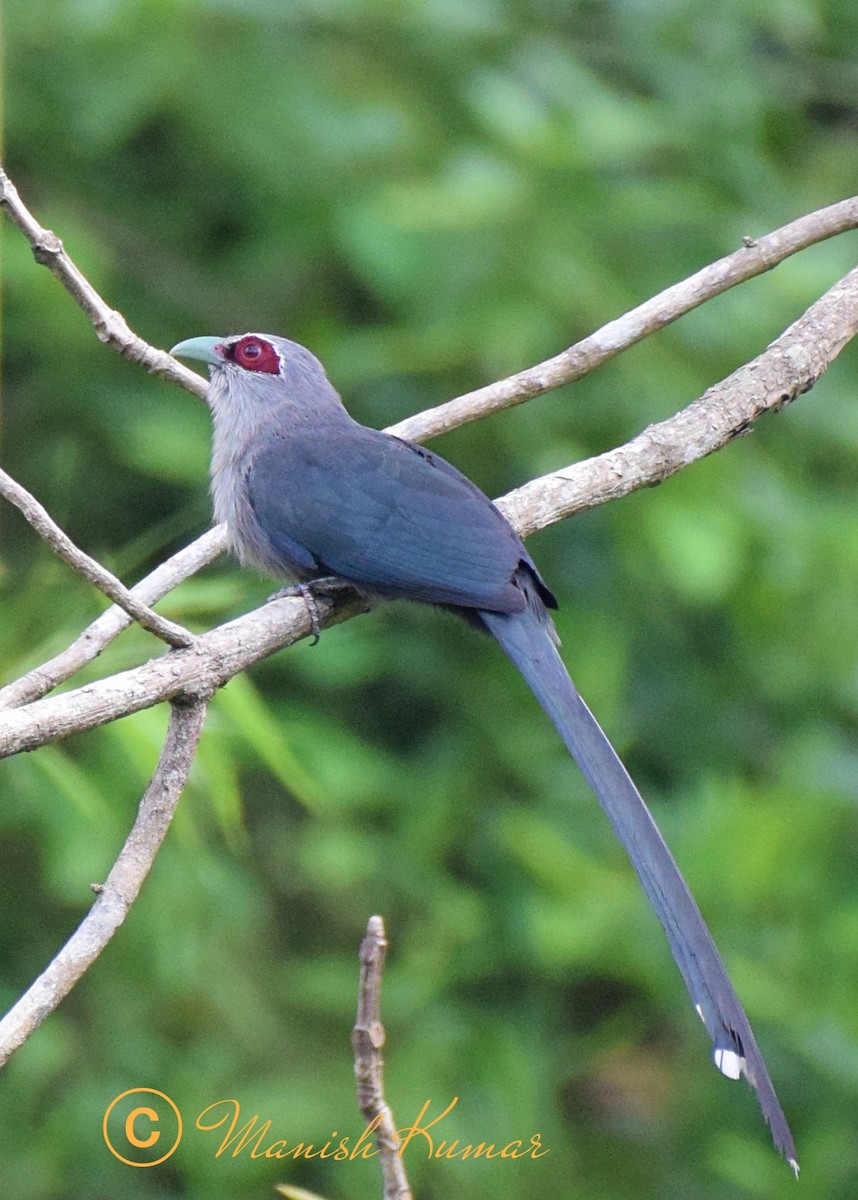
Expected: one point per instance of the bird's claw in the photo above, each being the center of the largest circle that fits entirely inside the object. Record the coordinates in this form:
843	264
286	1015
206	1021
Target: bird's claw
305	591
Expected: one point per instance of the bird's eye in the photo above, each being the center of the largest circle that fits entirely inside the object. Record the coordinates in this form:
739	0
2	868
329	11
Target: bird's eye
255	354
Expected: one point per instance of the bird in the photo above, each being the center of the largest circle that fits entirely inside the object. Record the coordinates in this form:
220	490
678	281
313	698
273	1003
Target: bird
306	492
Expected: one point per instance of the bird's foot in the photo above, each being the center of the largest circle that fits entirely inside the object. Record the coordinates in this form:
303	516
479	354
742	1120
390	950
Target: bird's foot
327	584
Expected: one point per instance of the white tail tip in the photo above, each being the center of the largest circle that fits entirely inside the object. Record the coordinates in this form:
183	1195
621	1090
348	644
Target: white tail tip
729	1063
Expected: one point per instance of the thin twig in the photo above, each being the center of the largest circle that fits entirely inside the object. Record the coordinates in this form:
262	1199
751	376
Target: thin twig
89	644
757	256
215	657
88	568
367	1043
110	326
118	893
789	367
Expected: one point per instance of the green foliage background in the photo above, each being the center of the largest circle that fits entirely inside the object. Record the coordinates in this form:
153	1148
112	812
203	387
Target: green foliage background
431	195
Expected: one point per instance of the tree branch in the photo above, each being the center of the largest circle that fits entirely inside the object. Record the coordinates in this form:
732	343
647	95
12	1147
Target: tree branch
756	257
789	367
188	675
367	1042
89	644
88	568
123	883
647	459
110	326
212	661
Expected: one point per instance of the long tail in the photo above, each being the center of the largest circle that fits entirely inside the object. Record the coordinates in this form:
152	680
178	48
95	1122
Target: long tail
528	639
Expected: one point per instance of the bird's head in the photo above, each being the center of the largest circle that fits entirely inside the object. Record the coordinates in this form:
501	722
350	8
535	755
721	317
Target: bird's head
259	370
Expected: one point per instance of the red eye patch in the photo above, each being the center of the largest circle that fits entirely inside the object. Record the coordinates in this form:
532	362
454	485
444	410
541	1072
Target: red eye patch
255	354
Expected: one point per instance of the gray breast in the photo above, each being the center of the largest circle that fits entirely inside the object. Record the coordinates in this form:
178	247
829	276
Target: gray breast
232	458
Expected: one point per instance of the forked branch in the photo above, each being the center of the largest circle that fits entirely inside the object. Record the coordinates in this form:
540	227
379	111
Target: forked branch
62	545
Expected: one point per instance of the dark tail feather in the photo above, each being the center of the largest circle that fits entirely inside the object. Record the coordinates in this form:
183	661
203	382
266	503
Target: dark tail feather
528	639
